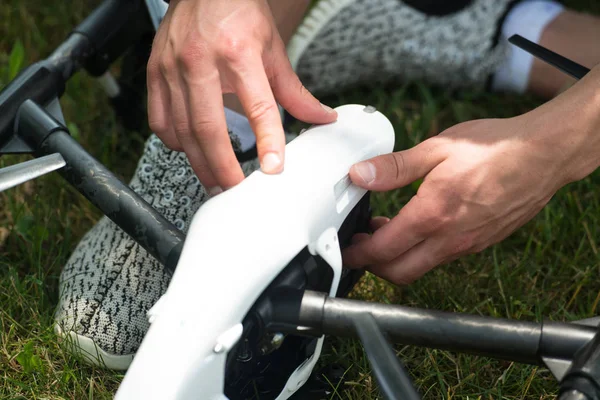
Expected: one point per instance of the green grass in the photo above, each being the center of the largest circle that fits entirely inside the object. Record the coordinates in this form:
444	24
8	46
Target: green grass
548	269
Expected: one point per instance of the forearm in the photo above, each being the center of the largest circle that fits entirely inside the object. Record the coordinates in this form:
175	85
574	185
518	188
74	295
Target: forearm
568	128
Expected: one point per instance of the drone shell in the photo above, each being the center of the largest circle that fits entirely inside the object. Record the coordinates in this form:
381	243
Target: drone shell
238	243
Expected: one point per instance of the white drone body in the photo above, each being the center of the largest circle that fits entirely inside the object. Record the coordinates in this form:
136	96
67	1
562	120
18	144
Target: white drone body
238	242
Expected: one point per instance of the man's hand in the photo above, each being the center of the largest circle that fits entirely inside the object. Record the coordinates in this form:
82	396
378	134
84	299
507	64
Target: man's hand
483	180
205	48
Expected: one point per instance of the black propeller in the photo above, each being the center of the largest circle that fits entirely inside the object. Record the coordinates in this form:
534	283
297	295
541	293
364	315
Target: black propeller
567	66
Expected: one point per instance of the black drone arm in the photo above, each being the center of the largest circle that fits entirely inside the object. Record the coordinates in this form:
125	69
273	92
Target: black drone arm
27	125
100	39
520	341
573	350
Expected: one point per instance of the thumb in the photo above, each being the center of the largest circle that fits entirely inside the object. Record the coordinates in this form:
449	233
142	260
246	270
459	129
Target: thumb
395	170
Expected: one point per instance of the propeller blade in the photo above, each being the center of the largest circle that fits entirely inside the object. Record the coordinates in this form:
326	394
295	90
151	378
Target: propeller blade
567	66
20	173
393	380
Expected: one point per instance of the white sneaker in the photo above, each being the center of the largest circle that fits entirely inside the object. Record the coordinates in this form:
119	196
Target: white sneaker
345	43
110	282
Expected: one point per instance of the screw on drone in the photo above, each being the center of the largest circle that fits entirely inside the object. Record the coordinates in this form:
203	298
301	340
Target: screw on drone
272	343
245	353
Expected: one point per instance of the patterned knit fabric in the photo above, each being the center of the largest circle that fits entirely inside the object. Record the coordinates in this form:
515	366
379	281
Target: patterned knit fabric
110	282
383	41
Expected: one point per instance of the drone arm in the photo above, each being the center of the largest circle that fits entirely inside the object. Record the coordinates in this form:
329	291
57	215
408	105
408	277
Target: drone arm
116	200
520	341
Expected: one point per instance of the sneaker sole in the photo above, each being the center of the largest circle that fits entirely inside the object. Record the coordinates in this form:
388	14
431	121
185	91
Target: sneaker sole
87	349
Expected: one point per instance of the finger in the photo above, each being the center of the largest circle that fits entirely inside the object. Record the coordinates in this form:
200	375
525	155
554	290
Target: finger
254	92
413	224
178	114
293	96
180	123
200	166
159	110
360	237
436	251
374	224
378	222
215	163
392	171
413	264
159	102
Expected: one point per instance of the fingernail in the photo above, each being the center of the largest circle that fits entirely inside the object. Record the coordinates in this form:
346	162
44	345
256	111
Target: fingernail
327	108
271	163
366	172
213	191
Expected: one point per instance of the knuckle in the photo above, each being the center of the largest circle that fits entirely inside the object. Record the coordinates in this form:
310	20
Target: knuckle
304	92
171	143
463	244
261	110
205	129
436	218
166	66
187	59
190	56
431	217
153	69
232	47
181	128
157	125
436	221
399	167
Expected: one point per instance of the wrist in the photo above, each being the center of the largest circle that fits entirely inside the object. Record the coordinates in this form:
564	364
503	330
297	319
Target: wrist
568	128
